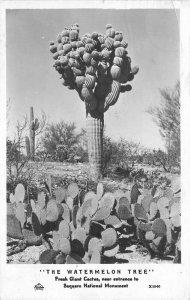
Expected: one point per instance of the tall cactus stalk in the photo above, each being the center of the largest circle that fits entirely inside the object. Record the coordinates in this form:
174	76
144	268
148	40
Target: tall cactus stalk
98	67
30	142
95	144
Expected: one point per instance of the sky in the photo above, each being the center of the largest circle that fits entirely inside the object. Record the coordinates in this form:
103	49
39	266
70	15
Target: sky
153	45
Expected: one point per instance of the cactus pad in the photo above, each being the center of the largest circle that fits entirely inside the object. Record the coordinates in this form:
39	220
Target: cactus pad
164	213
114	221
73	190
99	190
74	215
134	193
19	193
124	213
60	194
48	256
146	201
64	245
109	237
145	226
176	221
77	247
175	209
102	214
66	212
64	229
69	201
94	244
74	259
79	234
107	200
52	211
13	227
162	202
149	235
140	213
41	200
123	201
36	224
159	227
111	252
96	229
153	210
96	257
20	213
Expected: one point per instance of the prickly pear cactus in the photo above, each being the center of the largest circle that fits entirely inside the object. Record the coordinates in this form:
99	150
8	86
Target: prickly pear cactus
98	67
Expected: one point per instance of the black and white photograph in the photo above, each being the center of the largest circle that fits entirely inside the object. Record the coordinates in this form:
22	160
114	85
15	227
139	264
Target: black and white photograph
96	154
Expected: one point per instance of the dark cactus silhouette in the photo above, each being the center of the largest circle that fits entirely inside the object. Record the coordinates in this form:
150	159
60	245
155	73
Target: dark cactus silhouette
98	67
30	142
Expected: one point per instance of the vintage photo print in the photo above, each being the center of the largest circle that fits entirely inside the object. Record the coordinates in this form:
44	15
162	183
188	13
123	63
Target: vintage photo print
95	150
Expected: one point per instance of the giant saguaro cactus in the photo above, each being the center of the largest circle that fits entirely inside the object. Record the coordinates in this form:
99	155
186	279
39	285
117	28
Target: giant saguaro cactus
98	67
30	142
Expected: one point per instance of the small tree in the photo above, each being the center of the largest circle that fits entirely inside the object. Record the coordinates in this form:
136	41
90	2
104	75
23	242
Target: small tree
60	140
167	117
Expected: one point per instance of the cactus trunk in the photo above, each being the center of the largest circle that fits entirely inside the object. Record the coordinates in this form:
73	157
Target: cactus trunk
95	125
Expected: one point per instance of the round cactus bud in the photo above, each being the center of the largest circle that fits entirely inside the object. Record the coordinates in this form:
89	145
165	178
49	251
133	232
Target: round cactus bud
118	36
71	62
87	58
86	93
90	81
59	38
91	70
60	47
108	26
65	40
124	44
118	61
73	35
53	48
89	47
105	54
94	63
78	72
95	35
79	81
110	32
109	43
101	39
115	72
120	51
73	44
67	48
95	54
65	32
79	44
63	61
135	70
81	51
116	44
